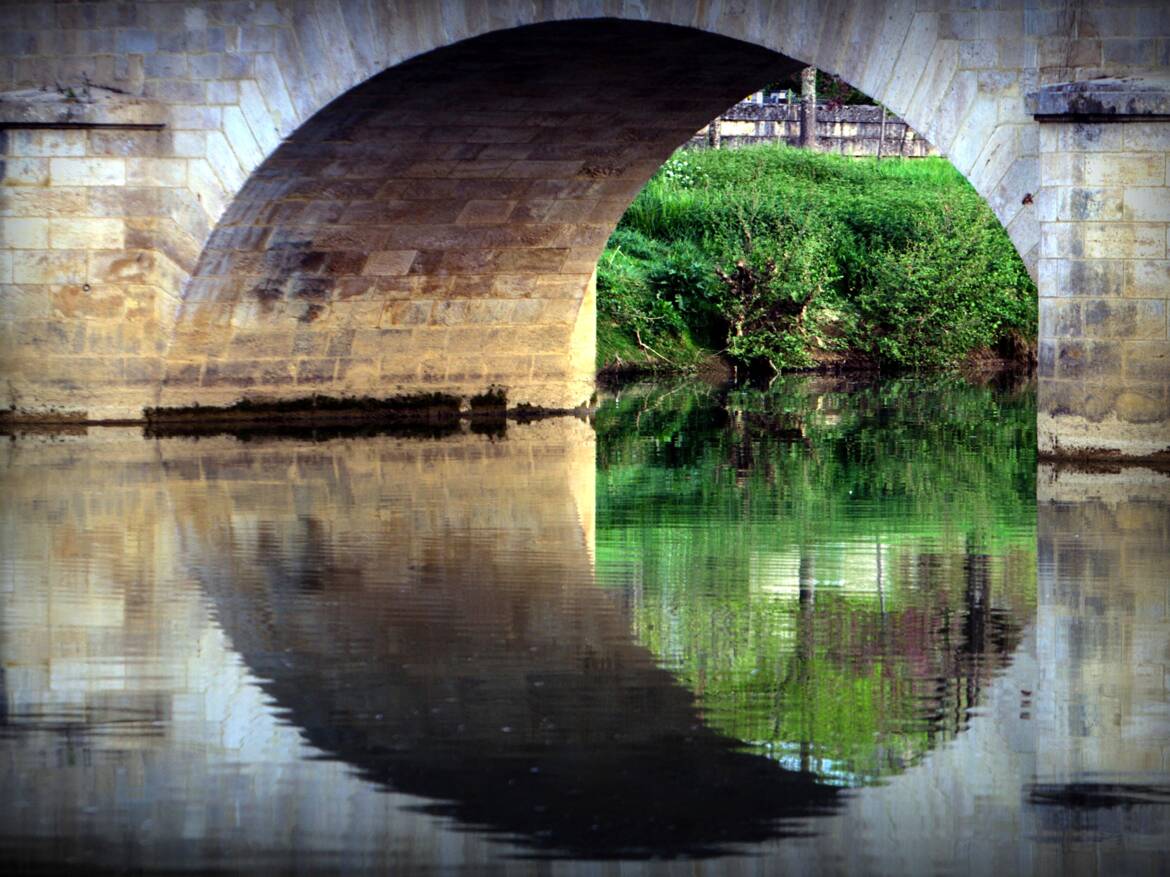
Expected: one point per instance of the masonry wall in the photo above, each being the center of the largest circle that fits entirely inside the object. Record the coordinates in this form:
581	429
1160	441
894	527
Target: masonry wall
1104	288
97	302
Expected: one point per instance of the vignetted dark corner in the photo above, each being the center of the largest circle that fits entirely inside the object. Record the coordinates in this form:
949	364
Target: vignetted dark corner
584	437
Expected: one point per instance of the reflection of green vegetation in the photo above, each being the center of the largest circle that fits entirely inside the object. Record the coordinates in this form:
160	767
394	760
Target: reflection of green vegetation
835	573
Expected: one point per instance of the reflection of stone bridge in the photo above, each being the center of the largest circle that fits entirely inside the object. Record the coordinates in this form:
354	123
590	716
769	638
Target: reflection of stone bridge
286	198
313	557
424	612
438	628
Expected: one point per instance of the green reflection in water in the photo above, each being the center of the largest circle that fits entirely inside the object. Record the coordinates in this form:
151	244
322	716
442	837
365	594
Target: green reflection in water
836	571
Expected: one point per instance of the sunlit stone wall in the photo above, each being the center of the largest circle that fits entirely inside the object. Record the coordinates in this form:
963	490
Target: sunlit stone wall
102	319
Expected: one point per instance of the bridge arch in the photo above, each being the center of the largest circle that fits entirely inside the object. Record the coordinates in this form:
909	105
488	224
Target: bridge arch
435	227
121	186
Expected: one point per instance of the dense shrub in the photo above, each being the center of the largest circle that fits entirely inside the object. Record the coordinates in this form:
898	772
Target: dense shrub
783	255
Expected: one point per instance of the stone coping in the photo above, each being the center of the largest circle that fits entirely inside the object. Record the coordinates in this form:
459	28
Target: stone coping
1135	98
83	106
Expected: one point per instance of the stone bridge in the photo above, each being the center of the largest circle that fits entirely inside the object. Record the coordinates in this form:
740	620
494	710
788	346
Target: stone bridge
205	202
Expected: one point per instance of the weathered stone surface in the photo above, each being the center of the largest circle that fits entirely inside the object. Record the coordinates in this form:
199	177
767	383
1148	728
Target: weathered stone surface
1107	97
336	177
77	104
1104	287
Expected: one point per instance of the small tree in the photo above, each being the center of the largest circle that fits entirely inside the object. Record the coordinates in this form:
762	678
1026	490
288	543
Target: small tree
771	280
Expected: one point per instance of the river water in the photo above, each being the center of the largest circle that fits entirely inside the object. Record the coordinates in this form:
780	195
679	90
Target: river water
818	627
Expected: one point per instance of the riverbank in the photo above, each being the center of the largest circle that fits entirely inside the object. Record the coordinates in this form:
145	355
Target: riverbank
769	258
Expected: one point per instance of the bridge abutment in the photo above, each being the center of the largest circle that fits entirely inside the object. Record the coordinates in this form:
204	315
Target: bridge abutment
1104	277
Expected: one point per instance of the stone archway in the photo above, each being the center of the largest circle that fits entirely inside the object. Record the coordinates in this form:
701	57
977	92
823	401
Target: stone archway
436	228
111	196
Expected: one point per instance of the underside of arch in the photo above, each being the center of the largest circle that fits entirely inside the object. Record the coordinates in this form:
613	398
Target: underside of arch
436	229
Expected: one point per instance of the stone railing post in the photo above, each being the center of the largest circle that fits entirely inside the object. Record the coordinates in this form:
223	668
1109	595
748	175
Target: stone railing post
808	108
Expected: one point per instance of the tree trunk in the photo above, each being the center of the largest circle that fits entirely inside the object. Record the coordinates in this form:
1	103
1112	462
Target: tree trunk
808	108
882	135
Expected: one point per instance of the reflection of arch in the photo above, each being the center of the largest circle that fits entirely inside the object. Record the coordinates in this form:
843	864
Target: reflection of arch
435	228
460	651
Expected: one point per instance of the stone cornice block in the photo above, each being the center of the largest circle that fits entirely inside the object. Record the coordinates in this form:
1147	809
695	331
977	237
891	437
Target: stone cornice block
1132	98
83	106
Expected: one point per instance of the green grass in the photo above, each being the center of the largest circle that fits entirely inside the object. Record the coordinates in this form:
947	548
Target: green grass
897	263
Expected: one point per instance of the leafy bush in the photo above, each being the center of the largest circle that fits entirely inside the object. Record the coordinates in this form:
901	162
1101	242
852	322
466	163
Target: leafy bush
770	281
896	262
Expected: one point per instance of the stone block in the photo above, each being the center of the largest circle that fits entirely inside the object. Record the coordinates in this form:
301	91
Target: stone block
550	367
20	304
978	54
87	171
263	343
190	144
1131	52
1135	319
481	211
1082	137
315	372
390	262
465	369
340	343
1062	168
55	266
1123	240
223	92
1147	278
24	233
170	172
86	234
1148	361
1090	361
1073	204
1143	404
1124	169
124	267
1060	319
1147	136
224	162
96	302
398	369
406	313
142	371
1147	204
24	171
375	342
241	139
47	142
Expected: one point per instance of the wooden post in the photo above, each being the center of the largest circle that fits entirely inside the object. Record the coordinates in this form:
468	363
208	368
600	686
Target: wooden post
808	108
713	133
882	135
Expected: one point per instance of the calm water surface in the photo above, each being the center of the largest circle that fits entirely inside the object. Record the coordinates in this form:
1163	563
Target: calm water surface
815	628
